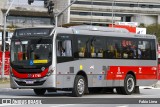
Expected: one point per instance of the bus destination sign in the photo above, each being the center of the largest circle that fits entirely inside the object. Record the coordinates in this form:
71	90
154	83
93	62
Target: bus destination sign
33	32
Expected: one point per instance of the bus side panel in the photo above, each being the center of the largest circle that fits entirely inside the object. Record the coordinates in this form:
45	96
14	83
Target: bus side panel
105	73
144	82
68	71
145	75
65	81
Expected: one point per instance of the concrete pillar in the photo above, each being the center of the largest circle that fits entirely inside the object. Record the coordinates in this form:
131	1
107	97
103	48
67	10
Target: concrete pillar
2	4
158	19
146	19
124	19
59	6
1	18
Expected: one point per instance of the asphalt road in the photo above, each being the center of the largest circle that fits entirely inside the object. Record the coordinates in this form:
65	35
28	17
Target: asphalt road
28	93
95	100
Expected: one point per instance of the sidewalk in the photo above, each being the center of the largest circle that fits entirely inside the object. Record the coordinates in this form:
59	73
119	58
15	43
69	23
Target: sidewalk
154	86
5	83
157	85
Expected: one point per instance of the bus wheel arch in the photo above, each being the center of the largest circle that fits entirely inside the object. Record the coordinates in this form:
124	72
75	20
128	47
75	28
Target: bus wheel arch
84	75
80	80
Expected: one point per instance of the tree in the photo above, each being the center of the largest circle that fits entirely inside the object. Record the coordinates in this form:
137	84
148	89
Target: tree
154	29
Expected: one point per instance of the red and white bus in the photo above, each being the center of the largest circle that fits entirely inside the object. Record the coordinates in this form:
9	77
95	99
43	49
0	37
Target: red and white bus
158	61
82	58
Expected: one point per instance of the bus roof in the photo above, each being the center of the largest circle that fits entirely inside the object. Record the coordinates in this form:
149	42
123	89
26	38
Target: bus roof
102	31
99	28
98	31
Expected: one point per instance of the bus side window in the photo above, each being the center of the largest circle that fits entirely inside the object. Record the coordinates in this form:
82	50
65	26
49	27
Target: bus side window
129	49
146	49
97	47
83	47
64	48
112	50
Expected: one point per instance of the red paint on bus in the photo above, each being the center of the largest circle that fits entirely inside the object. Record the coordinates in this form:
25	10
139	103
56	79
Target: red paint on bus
140	72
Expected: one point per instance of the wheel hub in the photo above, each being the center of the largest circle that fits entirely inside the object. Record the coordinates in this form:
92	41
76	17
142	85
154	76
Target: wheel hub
80	86
130	84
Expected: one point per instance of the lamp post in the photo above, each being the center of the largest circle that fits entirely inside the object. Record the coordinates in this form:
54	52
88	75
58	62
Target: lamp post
4	39
112	12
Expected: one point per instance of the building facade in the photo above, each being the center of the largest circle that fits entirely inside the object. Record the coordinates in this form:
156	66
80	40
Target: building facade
23	15
104	11
94	12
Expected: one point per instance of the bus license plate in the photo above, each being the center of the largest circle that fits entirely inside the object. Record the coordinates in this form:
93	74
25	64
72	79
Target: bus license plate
29	82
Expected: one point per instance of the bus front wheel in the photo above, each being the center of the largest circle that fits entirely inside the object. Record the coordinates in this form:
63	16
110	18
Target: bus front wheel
79	86
39	91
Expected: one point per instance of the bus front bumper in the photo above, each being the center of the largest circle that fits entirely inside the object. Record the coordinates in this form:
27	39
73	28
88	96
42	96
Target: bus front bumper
45	82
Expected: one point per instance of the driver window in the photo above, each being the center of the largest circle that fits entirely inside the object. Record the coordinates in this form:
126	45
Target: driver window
64	48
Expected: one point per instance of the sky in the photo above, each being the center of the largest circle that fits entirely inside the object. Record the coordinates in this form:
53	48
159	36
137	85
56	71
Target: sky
25	2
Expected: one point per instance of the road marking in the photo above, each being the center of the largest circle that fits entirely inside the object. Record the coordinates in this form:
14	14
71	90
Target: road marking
7	88
8	105
148	87
123	106
63	105
5	105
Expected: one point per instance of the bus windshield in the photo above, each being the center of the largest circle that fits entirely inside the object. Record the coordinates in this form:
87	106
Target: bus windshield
31	52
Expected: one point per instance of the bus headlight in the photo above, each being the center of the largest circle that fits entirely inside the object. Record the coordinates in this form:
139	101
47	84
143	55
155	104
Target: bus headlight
50	72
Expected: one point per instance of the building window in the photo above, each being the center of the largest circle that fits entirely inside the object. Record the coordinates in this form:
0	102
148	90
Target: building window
143	6
151	6
0	36
83	13
14	20
128	18
131	5
10	34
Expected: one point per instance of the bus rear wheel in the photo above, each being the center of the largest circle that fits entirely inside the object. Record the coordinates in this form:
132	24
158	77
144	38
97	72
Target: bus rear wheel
39	91
79	86
129	85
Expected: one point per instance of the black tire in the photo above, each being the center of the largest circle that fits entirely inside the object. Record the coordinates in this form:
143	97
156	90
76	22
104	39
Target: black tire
39	91
129	85
109	90
79	86
119	90
95	90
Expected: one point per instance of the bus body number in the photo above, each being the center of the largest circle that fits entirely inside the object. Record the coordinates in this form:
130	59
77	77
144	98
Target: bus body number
35	75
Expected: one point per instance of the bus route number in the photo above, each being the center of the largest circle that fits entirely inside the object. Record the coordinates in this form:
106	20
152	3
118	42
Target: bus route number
36	76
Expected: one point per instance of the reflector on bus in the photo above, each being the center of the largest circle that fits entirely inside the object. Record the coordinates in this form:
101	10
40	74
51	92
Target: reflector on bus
40	61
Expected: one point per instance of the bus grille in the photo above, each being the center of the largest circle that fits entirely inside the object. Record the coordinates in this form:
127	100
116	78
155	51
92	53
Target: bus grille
37	83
